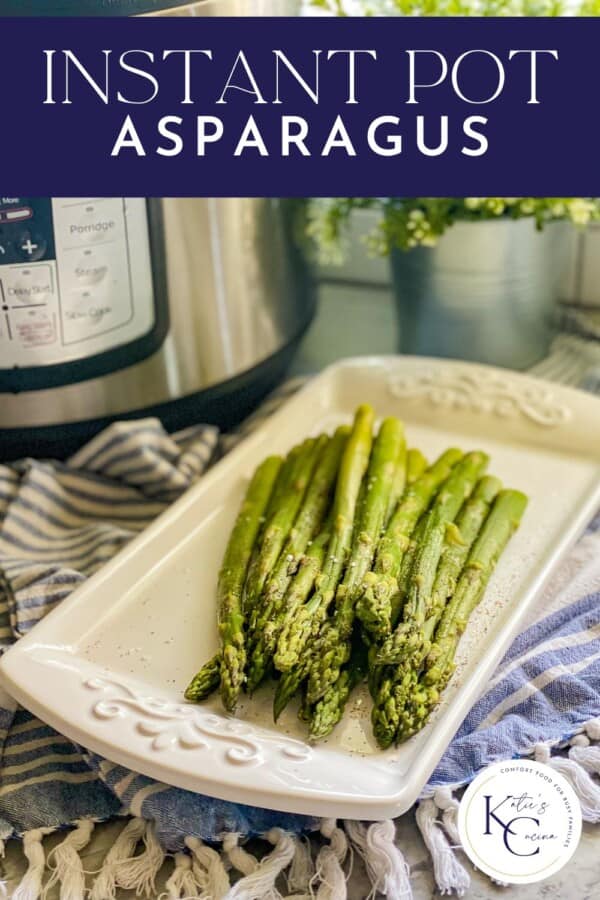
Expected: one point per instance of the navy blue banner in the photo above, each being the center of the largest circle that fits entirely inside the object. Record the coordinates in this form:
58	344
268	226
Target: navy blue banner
258	107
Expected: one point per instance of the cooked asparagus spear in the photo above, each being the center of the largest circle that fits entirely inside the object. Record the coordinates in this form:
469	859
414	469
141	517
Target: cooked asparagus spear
279	489
205	681
306	526
399	481
288	686
436	526
416	464
334	646
377	671
400	590
460	538
297	594
502	521
233	574
266	620
328	711
291	681
374	608
382	678
500	525
399	595
304	710
306	621
406	643
278	526
281	485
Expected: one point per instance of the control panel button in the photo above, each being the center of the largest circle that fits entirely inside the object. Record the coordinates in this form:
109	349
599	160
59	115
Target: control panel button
92	290
31	246
94	224
26	230
30	286
33	328
16	215
87	315
90	269
24	294
27	285
93	256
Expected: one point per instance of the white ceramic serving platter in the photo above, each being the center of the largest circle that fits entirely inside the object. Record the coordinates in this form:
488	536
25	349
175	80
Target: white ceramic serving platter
109	666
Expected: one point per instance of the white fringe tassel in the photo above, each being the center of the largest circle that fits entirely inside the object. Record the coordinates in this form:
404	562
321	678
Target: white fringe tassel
139	872
68	865
30	887
592	729
261	882
105	883
586	789
449	874
239	857
446	801
330	860
3	887
181	884
584	754
588	757
243	861
301	870
386	866
209	870
204	874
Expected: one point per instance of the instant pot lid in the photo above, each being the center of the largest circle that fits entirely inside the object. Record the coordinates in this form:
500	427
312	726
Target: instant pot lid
85	7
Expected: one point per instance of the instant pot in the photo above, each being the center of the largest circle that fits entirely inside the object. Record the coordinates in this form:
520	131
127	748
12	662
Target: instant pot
149	7
188	309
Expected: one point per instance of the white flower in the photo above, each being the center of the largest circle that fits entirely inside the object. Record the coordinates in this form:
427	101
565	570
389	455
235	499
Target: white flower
494	205
580	210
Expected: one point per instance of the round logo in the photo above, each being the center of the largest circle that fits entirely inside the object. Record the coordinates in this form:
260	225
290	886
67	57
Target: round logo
519	821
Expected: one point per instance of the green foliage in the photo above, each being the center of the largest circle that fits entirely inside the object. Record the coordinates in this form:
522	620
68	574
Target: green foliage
459	7
420	221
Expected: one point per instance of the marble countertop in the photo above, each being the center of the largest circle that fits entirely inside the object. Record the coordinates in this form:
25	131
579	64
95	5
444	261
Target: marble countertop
371	311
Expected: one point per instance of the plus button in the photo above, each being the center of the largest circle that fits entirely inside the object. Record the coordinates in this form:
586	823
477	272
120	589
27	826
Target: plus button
29	247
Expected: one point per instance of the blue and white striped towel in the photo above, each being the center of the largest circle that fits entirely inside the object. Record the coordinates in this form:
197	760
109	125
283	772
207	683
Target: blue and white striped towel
61	522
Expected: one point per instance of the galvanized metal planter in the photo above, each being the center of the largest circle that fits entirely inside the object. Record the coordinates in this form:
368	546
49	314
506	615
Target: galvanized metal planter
485	292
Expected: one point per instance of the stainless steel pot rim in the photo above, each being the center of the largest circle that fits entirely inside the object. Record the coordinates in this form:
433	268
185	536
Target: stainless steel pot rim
83	8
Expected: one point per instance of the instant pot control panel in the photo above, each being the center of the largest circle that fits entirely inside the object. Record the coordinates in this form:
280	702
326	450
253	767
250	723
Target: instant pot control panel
78	289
